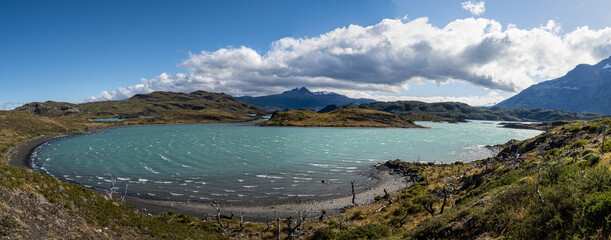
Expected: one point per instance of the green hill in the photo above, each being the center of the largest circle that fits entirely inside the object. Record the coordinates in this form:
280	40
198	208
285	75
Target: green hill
462	111
152	104
339	118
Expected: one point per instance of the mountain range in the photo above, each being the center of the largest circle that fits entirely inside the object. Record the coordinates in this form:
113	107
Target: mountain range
442	111
586	88
301	98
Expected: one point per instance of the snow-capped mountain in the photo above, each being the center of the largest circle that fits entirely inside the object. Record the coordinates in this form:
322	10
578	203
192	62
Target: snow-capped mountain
586	88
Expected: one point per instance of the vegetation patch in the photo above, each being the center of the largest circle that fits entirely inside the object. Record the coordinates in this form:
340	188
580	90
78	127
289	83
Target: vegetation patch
340	118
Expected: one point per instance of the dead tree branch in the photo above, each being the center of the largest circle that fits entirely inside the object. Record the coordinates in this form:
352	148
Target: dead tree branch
353	193
539	183
112	188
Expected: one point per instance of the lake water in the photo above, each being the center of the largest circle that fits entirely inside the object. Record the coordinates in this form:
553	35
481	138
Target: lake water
238	162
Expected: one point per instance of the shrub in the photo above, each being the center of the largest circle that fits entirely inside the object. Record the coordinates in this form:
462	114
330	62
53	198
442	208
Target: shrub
358	215
592	158
369	231
597	213
323	234
579	143
607	147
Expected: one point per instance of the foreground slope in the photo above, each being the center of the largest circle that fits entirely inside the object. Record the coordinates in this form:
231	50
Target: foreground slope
584	89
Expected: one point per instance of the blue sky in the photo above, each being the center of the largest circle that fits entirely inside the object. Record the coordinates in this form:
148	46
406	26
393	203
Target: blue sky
84	50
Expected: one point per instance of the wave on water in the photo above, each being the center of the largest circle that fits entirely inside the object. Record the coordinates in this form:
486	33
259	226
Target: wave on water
268	176
300	178
151	170
319	165
164	157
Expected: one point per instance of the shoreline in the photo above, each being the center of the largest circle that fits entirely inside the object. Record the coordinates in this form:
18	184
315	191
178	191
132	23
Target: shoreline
20	156
268	212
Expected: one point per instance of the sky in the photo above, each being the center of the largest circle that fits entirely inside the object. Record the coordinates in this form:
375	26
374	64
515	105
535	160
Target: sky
477	52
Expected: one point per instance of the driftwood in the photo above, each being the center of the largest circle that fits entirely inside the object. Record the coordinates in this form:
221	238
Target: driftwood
353	194
112	188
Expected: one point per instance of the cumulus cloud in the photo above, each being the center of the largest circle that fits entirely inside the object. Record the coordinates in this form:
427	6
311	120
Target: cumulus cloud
490	99
475	8
386	58
9	105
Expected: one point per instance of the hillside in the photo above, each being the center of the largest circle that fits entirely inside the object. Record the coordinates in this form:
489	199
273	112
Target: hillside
152	104
462	111
339	118
586	88
301	98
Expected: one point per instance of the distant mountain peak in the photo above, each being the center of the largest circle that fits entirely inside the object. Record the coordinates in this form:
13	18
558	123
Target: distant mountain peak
301	90
607	66
302	98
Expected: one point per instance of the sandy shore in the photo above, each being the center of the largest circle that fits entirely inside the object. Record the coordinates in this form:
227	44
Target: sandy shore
392	184
20	157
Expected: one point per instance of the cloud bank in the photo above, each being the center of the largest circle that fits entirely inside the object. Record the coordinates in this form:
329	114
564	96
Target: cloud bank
475	8
386	58
9	105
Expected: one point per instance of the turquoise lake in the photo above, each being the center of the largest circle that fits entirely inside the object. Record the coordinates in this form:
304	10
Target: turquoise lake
239	162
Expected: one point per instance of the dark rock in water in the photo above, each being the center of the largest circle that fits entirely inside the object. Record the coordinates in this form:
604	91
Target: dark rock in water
584	89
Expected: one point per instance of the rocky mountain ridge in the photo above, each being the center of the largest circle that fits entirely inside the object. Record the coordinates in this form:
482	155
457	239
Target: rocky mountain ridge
586	88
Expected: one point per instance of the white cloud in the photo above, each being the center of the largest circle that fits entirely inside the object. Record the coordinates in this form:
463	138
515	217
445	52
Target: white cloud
476	8
9	105
388	57
490	99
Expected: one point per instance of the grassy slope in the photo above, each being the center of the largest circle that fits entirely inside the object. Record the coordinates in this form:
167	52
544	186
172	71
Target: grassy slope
16	127
340	118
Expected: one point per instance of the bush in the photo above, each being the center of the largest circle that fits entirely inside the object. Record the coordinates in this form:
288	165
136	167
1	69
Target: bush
579	143
592	158
358	215
593	127
597	213
323	234
607	147
369	231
